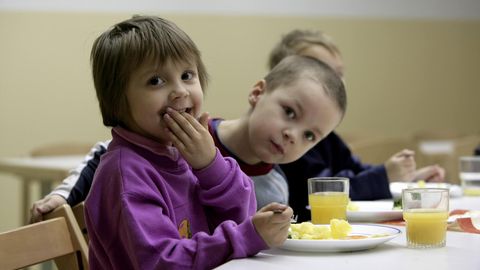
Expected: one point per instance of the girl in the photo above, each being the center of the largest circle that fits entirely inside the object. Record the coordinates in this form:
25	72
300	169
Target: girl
163	196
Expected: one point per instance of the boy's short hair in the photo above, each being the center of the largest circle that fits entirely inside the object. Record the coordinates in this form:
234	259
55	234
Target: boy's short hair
298	40
120	50
295	67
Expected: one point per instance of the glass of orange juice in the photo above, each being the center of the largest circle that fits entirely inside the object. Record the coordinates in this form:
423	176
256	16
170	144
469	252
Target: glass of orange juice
425	211
328	198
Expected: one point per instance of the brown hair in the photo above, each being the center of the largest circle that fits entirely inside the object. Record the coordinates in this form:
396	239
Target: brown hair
298	40
120	50
295	67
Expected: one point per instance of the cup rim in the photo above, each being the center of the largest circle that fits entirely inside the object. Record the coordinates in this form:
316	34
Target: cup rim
470	158
330	178
433	189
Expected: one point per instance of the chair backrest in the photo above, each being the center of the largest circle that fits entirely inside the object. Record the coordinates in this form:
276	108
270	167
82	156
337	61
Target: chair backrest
78	212
51	239
80	245
377	150
448	158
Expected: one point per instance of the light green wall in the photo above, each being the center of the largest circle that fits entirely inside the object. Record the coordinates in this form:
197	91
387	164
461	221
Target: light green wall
402	76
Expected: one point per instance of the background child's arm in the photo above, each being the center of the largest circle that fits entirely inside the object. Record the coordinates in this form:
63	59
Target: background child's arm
45	205
433	173
401	166
80	179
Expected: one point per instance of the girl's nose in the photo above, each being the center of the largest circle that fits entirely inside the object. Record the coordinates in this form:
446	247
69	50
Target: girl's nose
179	91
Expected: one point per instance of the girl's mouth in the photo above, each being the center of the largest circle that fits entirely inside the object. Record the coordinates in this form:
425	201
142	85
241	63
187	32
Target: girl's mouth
188	110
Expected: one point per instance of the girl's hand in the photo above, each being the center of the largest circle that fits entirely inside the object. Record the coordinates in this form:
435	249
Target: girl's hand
272	223
191	137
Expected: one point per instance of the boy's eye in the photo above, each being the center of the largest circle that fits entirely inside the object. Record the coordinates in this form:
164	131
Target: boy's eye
155	81
310	136
187	75
289	112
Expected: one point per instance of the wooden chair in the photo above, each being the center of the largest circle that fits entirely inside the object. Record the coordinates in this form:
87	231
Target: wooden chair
78	212
56	238
47	184
377	150
75	229
449	159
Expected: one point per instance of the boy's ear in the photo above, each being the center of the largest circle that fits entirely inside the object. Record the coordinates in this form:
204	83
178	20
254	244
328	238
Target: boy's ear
257	91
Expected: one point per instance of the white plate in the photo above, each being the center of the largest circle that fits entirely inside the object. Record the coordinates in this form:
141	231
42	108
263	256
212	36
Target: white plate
346	245
374	211
397	187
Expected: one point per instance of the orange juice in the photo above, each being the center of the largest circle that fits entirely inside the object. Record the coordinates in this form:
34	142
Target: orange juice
325	206
426	227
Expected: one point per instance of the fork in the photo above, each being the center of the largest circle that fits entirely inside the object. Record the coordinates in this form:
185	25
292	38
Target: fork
293	218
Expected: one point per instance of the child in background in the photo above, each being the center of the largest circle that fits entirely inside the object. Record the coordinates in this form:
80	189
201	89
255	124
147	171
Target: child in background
280	127
331	156
163	196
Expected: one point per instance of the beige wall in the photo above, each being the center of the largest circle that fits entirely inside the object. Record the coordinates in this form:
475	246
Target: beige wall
402	76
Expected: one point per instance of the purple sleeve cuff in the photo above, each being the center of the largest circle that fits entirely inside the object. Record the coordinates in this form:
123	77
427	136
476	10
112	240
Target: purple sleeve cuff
216	172
253	242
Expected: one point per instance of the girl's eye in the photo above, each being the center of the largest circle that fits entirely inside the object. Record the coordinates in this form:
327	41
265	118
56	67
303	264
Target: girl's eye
187	75
310	136
289	112
155	81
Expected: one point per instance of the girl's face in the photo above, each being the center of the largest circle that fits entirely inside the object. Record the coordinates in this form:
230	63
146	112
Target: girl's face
152	89
286	122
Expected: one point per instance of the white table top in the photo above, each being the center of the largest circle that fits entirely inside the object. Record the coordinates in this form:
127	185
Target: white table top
42	168
462	252
465	202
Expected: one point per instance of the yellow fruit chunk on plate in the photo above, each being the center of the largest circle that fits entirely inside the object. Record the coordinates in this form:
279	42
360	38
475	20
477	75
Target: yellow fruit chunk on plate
338	229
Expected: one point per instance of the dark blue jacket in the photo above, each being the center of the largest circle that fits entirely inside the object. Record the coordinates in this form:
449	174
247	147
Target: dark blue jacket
332	157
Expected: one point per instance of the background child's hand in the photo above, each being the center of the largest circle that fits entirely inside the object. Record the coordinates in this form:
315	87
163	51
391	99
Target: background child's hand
401	166
433	173
272	223
44	206
191	137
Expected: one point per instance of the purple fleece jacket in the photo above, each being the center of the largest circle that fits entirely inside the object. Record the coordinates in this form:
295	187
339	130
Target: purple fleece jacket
148	209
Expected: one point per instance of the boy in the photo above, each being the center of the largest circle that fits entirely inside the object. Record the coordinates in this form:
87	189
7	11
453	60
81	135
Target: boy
331	156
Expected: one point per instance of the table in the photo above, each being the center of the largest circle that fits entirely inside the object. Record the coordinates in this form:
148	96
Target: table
46	169
466	203
461	252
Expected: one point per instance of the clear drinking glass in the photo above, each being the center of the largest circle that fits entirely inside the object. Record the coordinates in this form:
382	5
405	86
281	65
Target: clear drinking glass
425	211
328	198
469	168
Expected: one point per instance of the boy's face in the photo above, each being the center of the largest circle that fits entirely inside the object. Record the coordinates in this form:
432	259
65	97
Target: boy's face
152	88
287	121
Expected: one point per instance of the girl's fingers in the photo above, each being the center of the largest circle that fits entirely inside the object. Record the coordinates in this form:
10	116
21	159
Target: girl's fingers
172	125
175	140
203	120
179	127
275	207
198	124
185	122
